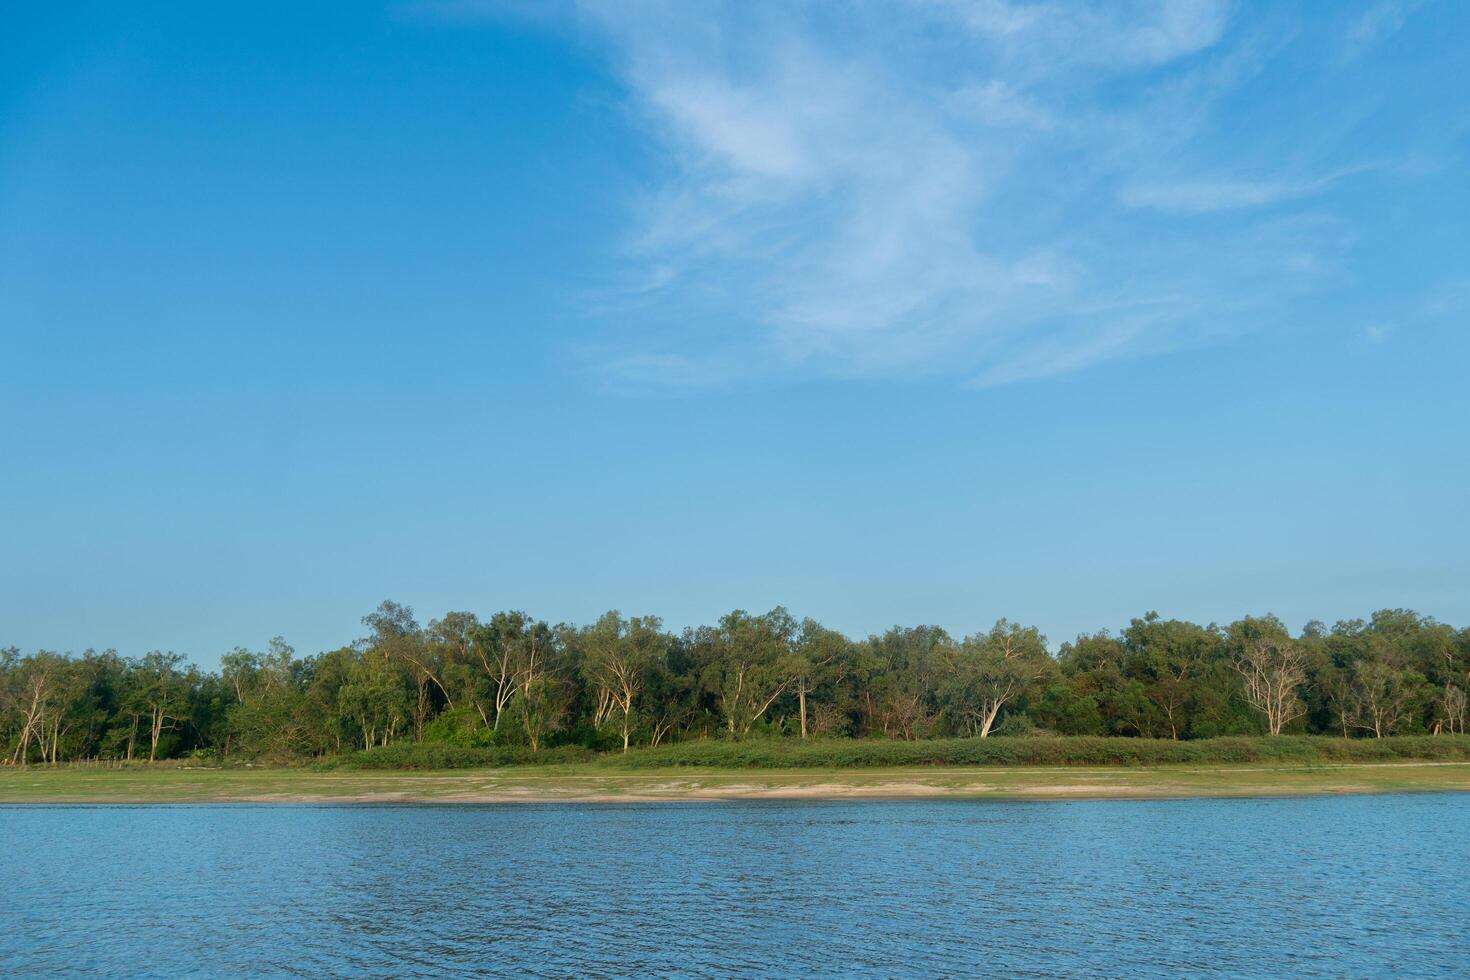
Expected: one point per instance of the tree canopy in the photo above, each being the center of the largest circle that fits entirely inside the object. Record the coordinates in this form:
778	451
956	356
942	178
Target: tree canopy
625	681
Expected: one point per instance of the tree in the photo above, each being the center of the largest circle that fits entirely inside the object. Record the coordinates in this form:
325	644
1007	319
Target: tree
453	640
1452	706
396	637
1272	668
624	681
901	671
271	712
670	691
1382	696
540	691
820	658
1165	656
163	694
498	647
324	677
377	699
752	666
40	678
617	657
1064	711
1094	665
991	670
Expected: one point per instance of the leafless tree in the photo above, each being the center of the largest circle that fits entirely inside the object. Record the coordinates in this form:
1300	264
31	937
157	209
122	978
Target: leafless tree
1273	670
1380	697
1452	708
35	698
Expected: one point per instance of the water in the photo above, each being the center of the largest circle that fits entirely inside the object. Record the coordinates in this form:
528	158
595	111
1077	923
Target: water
1351	886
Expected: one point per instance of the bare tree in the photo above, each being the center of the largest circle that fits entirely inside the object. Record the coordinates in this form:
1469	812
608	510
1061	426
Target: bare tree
618	655
1453	702
40	680
1452	708
499	647
1381	696
1273	669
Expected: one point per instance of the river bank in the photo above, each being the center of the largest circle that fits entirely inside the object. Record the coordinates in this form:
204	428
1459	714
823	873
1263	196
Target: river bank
596	784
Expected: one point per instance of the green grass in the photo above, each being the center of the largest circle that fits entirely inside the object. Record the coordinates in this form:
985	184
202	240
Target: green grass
996	768
590	782
867	754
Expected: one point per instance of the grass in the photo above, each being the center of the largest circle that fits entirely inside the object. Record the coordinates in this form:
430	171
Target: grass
1141	769
863	754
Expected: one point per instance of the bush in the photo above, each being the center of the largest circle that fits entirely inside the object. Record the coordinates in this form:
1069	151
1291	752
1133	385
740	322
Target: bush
999	750
1044	751
439	755
460	726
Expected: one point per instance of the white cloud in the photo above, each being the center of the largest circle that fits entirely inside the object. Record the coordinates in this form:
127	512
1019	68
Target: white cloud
1123	33
1202	196
954	187
995	103
1378	23
1376	334
1450	299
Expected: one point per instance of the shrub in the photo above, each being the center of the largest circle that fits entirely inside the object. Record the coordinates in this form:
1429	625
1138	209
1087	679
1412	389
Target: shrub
1044	751
461	727
439	755
999	750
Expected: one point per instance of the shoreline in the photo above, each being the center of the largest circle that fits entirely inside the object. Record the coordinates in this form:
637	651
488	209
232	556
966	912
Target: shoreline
591	785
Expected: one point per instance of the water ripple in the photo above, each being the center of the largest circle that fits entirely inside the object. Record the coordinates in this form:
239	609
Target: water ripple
1324	887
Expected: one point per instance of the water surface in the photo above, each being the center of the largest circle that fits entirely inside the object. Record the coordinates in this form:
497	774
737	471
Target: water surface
1360	886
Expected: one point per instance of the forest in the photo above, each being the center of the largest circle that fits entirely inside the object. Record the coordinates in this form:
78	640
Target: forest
622	682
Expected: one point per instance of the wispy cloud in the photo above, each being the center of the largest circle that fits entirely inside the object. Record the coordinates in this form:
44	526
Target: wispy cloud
1375	334
948	187
1450	299
1201	195
1377	23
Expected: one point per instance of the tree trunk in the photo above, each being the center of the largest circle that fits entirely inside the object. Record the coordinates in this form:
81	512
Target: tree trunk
154	732
421	710
989	719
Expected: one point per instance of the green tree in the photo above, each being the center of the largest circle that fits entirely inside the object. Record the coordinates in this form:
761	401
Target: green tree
618	655
752	666
820	660
541	696
989	671
162	693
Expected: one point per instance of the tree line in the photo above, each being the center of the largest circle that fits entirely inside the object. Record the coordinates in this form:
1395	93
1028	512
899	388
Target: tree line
623	682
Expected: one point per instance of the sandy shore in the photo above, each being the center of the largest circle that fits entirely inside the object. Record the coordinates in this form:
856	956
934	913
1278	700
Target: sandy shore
599	784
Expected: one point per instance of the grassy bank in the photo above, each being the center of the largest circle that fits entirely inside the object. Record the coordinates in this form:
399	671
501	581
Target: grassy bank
590	783
856	754
980	769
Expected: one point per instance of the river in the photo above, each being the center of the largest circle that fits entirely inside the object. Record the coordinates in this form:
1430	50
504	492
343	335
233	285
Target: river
1341	886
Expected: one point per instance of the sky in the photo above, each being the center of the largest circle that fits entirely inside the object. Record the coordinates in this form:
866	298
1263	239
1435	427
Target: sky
925	311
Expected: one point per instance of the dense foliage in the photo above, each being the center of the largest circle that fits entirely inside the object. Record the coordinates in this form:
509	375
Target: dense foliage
511	688
1000	750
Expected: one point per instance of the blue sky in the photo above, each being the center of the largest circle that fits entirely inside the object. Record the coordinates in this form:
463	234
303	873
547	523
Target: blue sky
891	313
